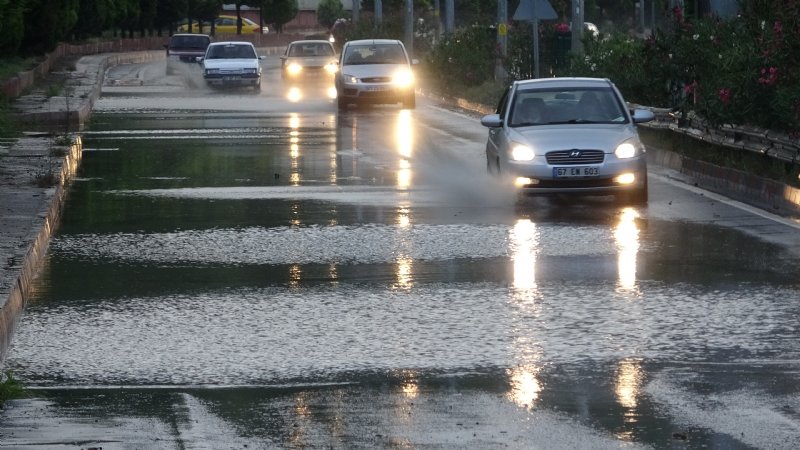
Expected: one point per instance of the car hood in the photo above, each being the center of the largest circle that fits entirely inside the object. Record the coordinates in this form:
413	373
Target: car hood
372	70
547	138
311	61
230	64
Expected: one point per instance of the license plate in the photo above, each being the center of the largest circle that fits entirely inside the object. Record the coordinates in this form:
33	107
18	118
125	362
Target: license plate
228	78
567	172
377	88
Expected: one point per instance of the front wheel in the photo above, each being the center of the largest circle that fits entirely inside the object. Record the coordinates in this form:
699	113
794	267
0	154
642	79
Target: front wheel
410	102
636	197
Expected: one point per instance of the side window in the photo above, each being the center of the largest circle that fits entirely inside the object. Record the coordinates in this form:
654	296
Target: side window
501	106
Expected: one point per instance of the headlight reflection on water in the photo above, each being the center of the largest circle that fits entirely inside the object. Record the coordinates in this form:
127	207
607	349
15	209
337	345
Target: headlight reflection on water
404	136
626	235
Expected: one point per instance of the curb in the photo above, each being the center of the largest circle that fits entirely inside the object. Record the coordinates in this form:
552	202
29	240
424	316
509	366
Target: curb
15	296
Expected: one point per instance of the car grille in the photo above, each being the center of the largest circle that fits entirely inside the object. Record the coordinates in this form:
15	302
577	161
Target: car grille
575	156
377	80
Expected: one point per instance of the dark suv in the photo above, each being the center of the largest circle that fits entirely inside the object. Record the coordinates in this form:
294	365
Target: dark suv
187	47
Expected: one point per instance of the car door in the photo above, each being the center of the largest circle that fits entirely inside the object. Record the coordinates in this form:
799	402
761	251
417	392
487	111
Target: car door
497	136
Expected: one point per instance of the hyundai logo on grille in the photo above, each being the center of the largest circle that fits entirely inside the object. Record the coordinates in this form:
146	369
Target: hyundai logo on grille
575	154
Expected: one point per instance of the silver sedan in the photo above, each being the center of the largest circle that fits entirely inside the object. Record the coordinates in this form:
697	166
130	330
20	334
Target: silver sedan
568	135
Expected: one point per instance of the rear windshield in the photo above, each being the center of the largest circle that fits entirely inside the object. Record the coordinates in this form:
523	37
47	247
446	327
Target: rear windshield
190	41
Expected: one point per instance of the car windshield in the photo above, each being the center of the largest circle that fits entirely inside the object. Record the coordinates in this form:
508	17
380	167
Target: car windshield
374	54
566	106
231	52
313	49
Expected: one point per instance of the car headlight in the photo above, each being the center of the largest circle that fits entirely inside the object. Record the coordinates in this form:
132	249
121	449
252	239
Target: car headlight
521	152
331	67
250	71
294	68
626	150
349	79
403	78
212	71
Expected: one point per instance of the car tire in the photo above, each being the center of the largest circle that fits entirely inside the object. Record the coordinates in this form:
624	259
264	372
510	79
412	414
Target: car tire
636	197
410	102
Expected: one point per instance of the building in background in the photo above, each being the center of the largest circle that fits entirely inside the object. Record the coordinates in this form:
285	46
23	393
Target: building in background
306	18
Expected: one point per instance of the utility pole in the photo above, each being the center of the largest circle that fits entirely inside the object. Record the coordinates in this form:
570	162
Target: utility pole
577	26
378	12
437	16
449	17
409	38
502	38
356	10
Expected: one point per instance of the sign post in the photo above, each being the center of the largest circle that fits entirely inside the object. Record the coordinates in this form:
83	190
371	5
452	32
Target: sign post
534	11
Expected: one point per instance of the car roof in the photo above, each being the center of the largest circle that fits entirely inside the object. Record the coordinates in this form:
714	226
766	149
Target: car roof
311	41
195	35
232	43
564	82
373	42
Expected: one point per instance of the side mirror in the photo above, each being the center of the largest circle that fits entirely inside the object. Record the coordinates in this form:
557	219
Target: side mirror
262	57
492	121
198	59
641	115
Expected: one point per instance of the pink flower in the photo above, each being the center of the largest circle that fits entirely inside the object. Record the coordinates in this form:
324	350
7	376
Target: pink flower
769	76
562	28
725	95
678	13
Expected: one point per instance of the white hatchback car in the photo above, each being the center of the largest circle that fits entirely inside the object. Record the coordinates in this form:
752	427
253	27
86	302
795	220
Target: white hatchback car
568	135
375	71
232	63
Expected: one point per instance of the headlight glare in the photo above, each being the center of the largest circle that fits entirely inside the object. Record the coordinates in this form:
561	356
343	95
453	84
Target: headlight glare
521	152
403	78
331	67
625	150
294	68
350	79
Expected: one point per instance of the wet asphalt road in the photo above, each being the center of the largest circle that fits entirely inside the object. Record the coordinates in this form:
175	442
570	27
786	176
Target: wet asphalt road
242	270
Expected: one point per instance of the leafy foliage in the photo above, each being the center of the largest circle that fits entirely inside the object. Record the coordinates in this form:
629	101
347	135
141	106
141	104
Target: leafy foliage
328	11
10	388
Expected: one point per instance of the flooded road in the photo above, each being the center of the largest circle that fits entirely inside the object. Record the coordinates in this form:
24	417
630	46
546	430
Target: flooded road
257	270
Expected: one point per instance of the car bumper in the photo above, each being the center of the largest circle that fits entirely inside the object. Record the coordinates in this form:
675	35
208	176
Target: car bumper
609	179
375	93
233	80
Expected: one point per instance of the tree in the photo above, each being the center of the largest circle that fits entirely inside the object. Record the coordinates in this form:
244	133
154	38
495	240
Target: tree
12	27
328	11
280	12
48	22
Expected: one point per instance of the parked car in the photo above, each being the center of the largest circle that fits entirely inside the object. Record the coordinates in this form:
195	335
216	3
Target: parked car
568	136
309	58
375	71
187	47
225	25
232	63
